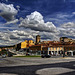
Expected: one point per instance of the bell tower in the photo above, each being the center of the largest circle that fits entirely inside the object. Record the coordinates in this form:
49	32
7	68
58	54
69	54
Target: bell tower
38	39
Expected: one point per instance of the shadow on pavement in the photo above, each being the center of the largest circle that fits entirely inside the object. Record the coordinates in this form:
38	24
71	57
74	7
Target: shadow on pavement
31	69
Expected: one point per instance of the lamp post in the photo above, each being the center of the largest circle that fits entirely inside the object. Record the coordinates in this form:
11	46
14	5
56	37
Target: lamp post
63	50
64	53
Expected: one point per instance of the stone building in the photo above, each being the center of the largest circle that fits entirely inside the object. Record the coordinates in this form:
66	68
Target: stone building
66	39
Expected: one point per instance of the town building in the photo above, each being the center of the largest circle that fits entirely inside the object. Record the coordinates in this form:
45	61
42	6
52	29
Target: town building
18	46
65	44
36	49
48	48
24	45
54	48
66	39
27	43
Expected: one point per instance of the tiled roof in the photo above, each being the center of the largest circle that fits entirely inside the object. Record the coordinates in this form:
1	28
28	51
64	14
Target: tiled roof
52	44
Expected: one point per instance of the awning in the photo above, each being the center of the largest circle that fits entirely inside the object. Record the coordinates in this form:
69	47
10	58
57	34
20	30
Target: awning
70	51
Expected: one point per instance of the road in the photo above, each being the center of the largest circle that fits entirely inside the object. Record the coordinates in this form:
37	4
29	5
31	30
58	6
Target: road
37	66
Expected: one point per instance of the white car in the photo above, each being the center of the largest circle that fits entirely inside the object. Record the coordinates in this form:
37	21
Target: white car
3	55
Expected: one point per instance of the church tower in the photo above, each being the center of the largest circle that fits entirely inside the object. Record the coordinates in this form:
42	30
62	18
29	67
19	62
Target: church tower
38	39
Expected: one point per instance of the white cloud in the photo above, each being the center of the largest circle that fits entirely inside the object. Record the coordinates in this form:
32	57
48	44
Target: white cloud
18	7
8	12
24	34
68	25
9	38
17	36
4	38
73	13
35	22
34	25
60	15
49	36
67	33
14	37
12	22
67	30
31	34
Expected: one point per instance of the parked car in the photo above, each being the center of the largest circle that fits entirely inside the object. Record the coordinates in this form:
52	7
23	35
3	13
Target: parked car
3	55
27	54
45	56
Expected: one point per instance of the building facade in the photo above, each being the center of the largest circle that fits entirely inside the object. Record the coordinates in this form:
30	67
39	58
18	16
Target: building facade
55	48
24	45
66	39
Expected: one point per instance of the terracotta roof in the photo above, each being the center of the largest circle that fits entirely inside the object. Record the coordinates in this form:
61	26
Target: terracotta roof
52	44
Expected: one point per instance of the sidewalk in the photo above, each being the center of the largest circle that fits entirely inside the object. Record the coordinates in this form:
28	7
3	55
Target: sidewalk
61	57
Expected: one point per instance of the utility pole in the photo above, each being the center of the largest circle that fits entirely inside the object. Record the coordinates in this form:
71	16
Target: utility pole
64	49
64	53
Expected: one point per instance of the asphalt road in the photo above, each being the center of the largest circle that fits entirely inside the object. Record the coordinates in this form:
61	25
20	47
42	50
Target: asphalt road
37	66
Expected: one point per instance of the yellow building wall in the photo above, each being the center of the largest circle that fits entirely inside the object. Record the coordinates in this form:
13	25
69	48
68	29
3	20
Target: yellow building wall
24	44
51	48
54	48
31	42
27	43
61	48
58	48
0	49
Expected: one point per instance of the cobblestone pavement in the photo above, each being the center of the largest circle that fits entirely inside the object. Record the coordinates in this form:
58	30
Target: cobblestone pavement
37	66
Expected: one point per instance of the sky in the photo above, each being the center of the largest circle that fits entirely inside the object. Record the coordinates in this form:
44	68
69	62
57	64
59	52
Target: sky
24	19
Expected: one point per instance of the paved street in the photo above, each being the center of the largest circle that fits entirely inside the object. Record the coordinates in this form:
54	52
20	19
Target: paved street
37	66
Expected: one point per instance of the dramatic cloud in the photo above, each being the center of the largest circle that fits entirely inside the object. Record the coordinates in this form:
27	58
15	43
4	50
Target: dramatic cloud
60	18
67	30
49	36
35	22
25	34
67	33
68	25
15	36
8	38
51	26
31	34
12	22
8	12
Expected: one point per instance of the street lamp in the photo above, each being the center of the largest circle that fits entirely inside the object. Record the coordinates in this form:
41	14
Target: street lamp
64	49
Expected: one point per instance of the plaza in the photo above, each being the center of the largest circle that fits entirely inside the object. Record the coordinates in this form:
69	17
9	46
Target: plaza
37	66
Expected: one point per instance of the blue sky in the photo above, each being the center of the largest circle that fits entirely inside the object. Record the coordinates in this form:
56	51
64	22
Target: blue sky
26	18
50	9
